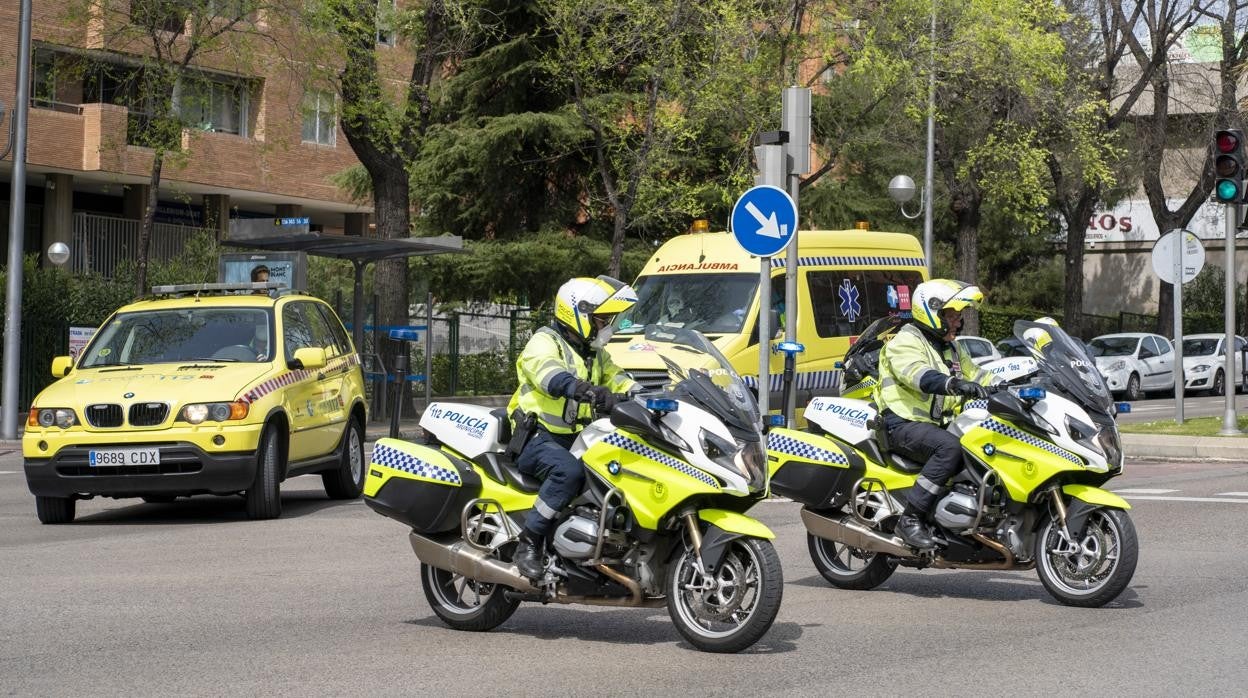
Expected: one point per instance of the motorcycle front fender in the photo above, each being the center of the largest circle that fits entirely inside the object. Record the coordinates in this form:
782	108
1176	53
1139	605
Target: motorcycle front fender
733	522
1096	496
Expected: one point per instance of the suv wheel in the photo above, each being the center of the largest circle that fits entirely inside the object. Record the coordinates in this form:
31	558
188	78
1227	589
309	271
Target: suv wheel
347	480
54	510
264	499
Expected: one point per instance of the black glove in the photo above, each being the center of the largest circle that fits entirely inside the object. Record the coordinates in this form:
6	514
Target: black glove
601	398
582	390
965	388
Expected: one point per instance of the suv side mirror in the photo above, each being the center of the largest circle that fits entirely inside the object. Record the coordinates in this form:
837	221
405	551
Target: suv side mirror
308	358
61	366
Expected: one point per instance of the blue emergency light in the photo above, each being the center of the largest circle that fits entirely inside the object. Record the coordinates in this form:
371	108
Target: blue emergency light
788	348
1032	393
661	404
776	420
1122	407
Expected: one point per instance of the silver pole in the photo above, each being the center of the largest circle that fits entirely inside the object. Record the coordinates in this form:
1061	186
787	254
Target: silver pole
429	349
764	336
1230	425
790	301
17	230
931	151
1181	235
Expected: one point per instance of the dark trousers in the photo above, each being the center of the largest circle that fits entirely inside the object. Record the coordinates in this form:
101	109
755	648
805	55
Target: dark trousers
941	452
547	458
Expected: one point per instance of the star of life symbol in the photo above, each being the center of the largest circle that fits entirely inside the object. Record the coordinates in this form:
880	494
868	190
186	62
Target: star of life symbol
850	307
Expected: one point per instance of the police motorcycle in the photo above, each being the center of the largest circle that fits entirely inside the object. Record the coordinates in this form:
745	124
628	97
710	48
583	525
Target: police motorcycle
1035	456
660	522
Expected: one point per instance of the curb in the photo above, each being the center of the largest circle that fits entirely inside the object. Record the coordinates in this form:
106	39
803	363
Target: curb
1199	447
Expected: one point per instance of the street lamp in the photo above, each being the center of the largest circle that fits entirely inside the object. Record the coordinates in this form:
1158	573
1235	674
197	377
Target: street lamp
901	190
58	253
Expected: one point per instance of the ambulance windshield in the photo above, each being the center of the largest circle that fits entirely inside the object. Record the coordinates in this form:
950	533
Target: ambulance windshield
709	303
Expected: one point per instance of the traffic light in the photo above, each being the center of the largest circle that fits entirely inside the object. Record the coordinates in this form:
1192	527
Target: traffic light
1228	166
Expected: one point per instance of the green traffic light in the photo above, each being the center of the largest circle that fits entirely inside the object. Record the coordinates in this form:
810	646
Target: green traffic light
1227	191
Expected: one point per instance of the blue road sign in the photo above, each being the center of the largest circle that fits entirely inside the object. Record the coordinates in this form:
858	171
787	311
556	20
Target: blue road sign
764	220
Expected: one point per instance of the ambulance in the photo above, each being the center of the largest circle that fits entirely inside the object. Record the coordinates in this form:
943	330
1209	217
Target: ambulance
846	280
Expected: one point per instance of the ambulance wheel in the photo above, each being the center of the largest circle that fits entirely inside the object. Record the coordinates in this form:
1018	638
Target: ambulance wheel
849	568
346	481
463	603
264	497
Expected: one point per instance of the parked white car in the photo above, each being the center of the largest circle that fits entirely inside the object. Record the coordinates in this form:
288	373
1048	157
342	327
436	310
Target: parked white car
1204	363
1134	362
981	350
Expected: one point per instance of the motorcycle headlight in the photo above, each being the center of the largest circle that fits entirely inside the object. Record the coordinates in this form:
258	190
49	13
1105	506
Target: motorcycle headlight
750	459
1111	446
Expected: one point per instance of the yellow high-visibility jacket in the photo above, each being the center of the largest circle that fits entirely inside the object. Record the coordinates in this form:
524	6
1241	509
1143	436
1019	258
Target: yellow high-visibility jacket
545	356
905	360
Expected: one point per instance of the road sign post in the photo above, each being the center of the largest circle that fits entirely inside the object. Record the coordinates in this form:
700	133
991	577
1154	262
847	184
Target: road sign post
795	115
764	223
1177	258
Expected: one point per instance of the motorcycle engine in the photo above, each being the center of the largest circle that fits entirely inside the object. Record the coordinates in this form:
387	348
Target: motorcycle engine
576	536
956	511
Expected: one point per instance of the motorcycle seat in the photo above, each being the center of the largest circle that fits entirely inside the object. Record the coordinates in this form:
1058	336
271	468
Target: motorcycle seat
502	470
904	464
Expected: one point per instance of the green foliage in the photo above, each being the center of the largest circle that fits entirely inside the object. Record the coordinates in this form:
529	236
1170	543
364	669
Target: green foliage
1204	301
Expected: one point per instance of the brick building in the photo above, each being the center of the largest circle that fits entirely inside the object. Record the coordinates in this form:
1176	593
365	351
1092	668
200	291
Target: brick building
263	143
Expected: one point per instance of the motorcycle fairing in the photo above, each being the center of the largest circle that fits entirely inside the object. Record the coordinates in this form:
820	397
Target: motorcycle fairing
736	522
1096	496
1023	461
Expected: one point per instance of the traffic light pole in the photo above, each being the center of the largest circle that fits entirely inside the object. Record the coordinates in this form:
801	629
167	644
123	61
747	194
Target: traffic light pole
1230	425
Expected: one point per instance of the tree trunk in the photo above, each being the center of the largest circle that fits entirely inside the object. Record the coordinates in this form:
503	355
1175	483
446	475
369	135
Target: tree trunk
965	207
617	243
391	205
145	224
1076	234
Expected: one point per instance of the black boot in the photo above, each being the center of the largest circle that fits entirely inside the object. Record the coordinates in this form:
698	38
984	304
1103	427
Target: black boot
528	555
913	531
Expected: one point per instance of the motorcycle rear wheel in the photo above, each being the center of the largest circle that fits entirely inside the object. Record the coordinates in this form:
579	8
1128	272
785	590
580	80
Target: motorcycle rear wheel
1099	570
835	561
731	609
463	603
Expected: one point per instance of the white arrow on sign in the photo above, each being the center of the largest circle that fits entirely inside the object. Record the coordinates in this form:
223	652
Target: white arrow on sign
771	228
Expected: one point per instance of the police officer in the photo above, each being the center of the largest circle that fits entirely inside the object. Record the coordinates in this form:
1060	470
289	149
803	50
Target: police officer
564	373
922	375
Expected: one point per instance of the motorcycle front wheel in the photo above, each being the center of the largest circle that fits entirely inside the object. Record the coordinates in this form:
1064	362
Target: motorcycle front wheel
731	608
463	603
1096	568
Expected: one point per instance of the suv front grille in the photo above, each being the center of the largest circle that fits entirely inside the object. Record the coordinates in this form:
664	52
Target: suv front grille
650	380
148	414
104	415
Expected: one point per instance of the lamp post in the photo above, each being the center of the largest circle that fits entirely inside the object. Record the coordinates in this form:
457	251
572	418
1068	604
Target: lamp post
901	190
17	227
58	253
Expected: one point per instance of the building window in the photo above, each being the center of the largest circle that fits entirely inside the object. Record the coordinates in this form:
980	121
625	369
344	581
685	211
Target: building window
43	81
213	105
320	123
162	15
386	10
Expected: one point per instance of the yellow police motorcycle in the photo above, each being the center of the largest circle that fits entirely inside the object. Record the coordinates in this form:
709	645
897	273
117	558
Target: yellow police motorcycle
661	520
1028	496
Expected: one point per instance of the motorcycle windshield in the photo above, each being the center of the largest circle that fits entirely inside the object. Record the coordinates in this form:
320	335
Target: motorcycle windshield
1064	362
699	372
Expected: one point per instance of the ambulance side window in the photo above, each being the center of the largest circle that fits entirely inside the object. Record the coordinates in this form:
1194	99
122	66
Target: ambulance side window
845	302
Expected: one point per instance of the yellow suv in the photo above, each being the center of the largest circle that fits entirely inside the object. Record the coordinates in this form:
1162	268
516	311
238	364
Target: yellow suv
201	390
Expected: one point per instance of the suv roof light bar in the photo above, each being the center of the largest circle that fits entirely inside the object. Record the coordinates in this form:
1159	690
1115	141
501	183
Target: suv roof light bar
219	287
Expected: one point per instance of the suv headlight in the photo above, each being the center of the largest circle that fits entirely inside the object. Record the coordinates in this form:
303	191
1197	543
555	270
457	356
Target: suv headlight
48	417
200	412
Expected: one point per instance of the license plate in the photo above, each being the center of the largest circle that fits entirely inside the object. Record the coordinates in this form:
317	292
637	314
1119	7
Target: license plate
125	456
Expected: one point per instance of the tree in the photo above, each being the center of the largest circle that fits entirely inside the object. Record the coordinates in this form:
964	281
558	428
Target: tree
648	79
1085	122
159	46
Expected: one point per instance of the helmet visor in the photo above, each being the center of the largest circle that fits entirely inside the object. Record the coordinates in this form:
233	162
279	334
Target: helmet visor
968	297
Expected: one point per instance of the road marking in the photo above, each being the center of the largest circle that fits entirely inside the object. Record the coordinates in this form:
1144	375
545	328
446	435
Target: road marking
1143	491
778	500
8	472
1190	499
1231	494
1027	582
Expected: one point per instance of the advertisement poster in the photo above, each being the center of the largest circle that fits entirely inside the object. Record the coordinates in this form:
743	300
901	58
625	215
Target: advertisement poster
286	268
78	339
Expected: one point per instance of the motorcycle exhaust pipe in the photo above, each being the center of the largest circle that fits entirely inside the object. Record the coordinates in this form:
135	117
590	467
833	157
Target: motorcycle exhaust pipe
461	558
848	531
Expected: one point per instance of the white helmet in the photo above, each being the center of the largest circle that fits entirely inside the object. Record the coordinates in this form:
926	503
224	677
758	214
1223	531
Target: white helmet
579	299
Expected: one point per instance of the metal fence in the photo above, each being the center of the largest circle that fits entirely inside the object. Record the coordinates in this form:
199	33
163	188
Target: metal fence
42	339
102	242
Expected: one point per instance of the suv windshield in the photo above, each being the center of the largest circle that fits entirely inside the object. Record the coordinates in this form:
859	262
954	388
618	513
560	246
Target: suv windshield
181	335
1113	346
708	303
1199	347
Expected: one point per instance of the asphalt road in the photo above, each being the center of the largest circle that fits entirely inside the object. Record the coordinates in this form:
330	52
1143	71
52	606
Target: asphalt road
191	598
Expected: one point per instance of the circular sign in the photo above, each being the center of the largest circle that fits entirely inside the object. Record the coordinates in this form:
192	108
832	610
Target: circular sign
1164	251
764	220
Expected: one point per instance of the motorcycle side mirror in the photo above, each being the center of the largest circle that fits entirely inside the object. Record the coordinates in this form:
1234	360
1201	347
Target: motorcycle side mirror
1006	404
633	416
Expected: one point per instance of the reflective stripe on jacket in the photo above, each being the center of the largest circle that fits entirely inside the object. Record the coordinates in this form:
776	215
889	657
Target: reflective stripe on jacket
904	360
545	356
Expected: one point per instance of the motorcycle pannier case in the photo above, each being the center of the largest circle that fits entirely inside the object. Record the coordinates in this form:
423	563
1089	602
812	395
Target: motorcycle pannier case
424	488
814	470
